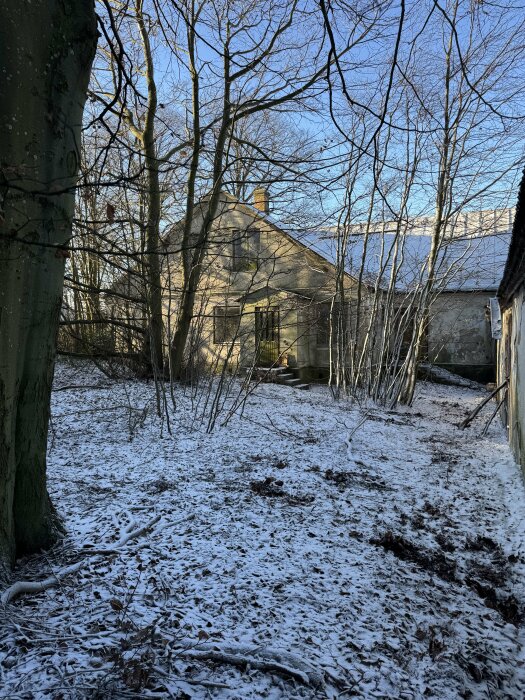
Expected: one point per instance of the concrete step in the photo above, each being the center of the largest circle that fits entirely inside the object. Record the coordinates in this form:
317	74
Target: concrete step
279	375
285	378
271	370
267	374
293	382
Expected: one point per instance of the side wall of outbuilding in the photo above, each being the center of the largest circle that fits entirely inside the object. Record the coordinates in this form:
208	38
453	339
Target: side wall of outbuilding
459	336
511	365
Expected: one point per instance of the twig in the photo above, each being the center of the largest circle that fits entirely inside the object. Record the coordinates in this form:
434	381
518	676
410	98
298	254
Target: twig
123	540
116	549
116	407
69	387
356	428
273	429
191	681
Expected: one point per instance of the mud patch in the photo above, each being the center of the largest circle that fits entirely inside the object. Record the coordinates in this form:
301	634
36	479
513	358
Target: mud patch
344	479
273	488
435	562
485	580
160	485
506	605
482	544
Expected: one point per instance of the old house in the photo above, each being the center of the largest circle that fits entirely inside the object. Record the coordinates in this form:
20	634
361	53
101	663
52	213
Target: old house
269	295
265	297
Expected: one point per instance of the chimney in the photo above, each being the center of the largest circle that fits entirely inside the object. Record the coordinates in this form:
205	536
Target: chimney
261	200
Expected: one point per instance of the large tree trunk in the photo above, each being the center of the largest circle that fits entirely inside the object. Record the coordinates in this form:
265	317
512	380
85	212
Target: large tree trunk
46	51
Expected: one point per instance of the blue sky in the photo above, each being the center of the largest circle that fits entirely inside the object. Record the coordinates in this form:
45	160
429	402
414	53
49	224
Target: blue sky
490	131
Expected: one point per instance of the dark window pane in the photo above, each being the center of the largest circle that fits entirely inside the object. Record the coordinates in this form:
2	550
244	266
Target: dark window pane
245	249
225	323
254	243
237	252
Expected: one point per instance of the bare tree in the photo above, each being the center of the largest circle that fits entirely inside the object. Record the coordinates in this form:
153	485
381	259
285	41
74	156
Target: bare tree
437	119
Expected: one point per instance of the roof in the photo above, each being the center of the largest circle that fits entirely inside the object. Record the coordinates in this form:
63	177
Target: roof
473	263
294	236
467	263
514	273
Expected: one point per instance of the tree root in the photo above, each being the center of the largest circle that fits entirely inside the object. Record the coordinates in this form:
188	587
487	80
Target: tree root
263	659
127	537
21	587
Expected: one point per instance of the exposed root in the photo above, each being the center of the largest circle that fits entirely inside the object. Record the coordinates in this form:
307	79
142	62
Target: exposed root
263	659
21	587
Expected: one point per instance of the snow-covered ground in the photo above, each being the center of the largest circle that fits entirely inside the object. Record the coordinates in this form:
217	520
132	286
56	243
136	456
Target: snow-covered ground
375	559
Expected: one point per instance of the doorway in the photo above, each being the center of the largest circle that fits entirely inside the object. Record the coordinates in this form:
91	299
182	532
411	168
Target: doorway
266	335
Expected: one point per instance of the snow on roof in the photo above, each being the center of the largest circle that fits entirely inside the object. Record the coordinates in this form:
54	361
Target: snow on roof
474	261
471	263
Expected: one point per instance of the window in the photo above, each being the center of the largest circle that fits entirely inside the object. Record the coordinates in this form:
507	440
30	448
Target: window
237	249
246	246
405	325
323	322
226	321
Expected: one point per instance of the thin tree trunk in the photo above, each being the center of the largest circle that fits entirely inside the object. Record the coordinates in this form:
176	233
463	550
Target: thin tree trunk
442	195
154	290
191	283
46	51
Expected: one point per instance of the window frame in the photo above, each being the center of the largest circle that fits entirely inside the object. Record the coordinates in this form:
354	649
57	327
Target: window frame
246	248
229	312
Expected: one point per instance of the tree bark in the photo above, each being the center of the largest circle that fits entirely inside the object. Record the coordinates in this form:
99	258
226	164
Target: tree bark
46	51
153	282
192	267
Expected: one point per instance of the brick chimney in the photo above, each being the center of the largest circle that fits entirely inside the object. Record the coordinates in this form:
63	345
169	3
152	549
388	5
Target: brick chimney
261	200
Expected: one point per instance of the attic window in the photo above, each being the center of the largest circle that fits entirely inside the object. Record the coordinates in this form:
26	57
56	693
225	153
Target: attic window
246	246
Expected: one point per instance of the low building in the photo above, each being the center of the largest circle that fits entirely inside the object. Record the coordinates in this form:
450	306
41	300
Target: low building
469	266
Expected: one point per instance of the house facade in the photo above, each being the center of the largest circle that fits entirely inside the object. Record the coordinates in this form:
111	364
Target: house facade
265	298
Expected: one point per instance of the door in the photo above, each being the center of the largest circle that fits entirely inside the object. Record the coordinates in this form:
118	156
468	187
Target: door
266	335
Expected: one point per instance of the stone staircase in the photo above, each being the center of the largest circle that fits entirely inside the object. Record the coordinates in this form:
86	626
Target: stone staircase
280	375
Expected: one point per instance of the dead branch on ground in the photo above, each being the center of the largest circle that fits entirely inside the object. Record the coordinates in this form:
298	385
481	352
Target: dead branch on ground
485	401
